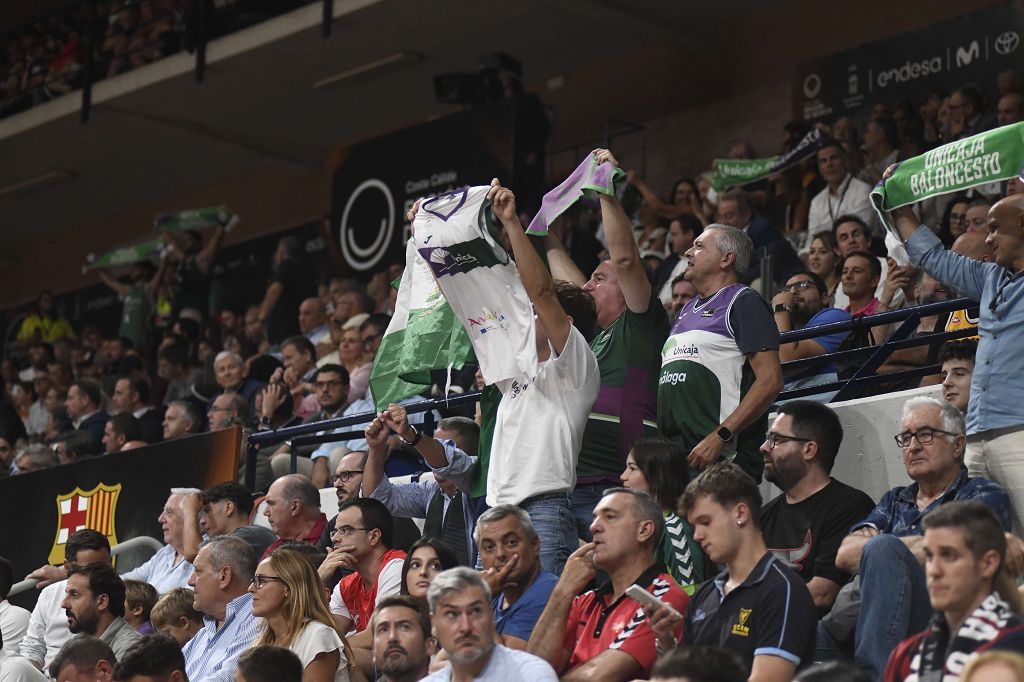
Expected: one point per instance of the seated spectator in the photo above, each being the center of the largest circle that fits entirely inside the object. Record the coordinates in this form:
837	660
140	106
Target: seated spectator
85	407
736	209
861	274
35	457
403	643
926	290
313	322
681	233
154	657
803	304
851	234
973	245
172	365
994	666
181	419
833	671
804	526
228	410
885	549
964	549
223	509
72	446
131	395
120	429
683	292
174	614
293	510
84	658
357	362
44	323
509	549
336	325
139	600
844	194
269	664
299	358
657	466
168	568
94	603
13	619
48	626
426	558
599	632
230	373
699	663
740	609
288	597
460	612
1010	109
447	511
977	214
363	544
224	570
957	360
823	260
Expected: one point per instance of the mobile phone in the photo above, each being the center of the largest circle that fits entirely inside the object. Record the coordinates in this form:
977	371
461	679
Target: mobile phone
647	599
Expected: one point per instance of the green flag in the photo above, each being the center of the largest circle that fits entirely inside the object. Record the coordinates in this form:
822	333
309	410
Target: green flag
987	157
196	219
728	173
126	255
424	335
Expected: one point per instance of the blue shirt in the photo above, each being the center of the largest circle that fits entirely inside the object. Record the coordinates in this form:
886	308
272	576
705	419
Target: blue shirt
897	513
213	654
997	397
162	572
519	618
829	342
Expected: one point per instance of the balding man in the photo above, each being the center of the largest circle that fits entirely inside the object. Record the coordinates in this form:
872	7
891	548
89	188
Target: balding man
181	419
973	245
168	568
293	510
313	322
227	410
995	414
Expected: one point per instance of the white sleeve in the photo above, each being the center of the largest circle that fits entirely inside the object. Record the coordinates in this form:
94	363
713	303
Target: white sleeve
33	645
17	669
338	606
17	622
389	581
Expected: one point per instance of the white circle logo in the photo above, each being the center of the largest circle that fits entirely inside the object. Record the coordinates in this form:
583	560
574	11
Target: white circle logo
1006	42
812	86
359	257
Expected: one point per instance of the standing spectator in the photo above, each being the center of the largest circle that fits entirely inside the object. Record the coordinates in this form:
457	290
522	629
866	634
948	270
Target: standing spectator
290	284
881	147
844	194
42	323
736	209
720	366
193	275
137	295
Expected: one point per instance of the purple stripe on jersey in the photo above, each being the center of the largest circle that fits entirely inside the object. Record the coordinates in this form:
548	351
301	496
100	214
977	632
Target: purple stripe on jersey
633	402
708	316
464	192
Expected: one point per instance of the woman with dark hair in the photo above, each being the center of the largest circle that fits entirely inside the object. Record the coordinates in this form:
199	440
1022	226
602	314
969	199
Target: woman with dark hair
823	260
954	220
658	467
426	558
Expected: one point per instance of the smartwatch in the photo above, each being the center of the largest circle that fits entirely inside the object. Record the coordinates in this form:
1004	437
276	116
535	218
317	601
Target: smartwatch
780	308
724	434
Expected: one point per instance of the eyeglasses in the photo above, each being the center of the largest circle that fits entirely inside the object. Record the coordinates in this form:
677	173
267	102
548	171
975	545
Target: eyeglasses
773	439
957	217
799	286
260	580
924	436
345	531
322	385
367	340
345	476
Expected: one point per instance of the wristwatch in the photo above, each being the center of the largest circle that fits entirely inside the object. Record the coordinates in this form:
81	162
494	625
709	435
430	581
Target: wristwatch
780	308
415	439
724	434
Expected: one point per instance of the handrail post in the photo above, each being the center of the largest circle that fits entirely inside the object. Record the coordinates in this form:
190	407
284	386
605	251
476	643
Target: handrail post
251	453
88	72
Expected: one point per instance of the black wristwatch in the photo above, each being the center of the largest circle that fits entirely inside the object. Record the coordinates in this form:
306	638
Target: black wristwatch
415	439
780	308
724	434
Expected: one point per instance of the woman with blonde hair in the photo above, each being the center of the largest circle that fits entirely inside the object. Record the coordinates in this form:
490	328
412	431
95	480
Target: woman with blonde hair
994	666
288	595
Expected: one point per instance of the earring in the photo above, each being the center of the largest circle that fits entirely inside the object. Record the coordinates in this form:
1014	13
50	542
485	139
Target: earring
741	523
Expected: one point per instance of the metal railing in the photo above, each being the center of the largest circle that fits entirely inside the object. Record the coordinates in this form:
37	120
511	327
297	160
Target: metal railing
141	542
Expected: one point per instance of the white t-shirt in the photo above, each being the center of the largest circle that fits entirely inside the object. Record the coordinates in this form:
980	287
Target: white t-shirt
539	425
47	626
18	669
317	638
506	665
852	198
13	625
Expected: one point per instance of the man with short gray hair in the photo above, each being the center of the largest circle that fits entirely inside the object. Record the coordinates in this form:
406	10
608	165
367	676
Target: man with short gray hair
168	568
720	367
886	549
181	419
224	569
35	457
461	615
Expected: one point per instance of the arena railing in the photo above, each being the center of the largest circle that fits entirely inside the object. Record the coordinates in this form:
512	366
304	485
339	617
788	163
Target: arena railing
141	542
314	432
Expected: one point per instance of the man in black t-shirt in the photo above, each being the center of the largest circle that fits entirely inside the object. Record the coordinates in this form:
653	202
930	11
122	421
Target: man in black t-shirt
805	525
289	286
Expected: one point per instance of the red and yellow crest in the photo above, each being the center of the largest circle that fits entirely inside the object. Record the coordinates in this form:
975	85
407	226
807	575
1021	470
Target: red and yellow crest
80	509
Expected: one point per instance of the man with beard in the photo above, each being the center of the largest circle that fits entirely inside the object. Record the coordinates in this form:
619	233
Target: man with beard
402	641
802	303
805	525
94	604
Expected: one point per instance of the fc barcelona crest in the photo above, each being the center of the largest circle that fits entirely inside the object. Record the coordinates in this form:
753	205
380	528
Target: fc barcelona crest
80	509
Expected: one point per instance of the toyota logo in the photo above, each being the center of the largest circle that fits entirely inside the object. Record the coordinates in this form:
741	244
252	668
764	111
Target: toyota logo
1006	42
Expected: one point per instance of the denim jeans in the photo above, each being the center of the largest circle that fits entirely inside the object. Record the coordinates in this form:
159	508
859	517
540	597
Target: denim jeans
584	498
553	520
894	601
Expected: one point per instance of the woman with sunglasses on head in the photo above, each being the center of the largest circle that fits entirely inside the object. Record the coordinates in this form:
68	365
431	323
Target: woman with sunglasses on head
288	595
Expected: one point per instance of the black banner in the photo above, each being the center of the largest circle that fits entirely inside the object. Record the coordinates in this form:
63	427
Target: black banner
120	495
971	49
379	180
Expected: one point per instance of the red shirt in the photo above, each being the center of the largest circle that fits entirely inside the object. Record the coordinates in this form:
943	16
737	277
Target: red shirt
595	625
870	309
359	601
311	538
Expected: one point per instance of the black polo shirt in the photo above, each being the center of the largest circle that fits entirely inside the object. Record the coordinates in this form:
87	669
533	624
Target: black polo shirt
770	614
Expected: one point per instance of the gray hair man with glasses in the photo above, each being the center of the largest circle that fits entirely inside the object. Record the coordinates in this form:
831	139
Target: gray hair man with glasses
804	526
886	549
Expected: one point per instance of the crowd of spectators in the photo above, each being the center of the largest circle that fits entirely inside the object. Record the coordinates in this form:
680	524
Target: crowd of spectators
599	515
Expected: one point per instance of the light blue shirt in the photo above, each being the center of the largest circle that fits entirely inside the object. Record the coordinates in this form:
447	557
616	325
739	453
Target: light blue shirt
161	572
213	654
997	397
358	407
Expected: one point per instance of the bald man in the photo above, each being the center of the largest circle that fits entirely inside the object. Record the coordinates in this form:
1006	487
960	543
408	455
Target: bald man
973	245
995	414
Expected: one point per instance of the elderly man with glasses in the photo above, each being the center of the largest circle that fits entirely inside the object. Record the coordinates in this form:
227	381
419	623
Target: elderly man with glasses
886	549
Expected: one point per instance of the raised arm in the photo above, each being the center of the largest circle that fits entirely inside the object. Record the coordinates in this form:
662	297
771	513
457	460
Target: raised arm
153	285
115	284
562	265
377	454
536	279
205	258
191	534
622	246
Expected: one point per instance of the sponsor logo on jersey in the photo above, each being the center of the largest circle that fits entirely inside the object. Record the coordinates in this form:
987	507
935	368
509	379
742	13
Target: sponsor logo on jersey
488	321
741	628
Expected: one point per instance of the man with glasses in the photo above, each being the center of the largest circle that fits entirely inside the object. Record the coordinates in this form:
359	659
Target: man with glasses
805	524
363	544
803	303
886	549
